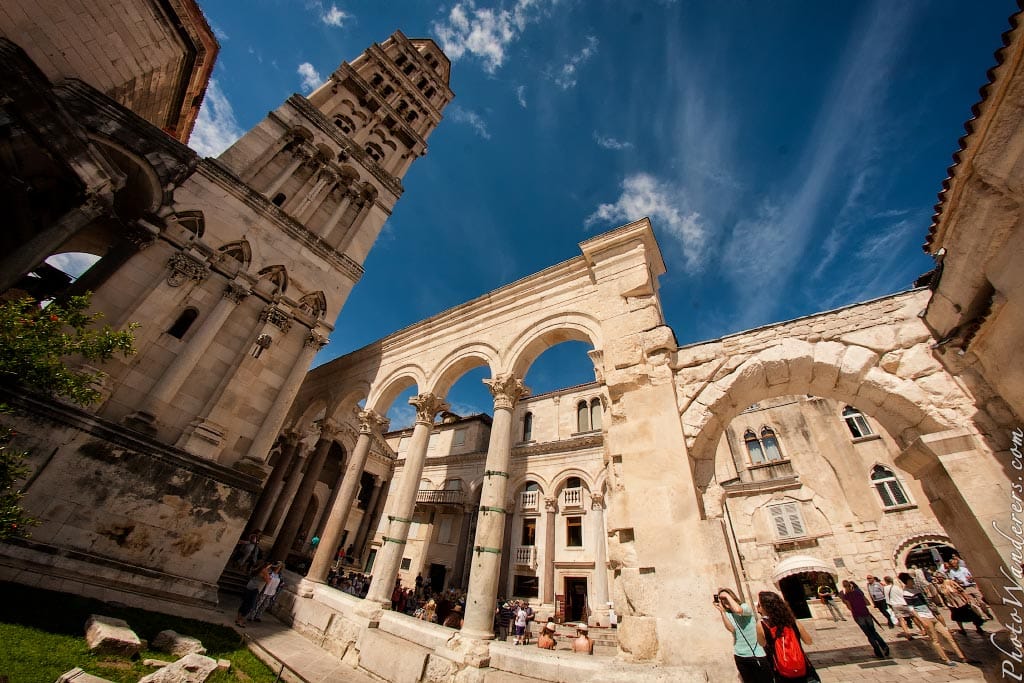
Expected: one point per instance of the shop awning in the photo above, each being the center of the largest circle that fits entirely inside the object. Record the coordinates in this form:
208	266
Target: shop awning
800	564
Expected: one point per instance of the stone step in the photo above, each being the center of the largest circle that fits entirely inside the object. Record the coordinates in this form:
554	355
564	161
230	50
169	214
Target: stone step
233	580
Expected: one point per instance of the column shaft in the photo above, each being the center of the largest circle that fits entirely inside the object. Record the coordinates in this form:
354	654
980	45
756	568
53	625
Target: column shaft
284	176
599	597
490	527
550	520
368	514
273	486
284	502
389	558
290	527
339	211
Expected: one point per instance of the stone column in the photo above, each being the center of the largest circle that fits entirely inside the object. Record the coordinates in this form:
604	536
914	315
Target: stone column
346	199
264	439
325	514
490	527
461	566
293	520
368	514
184	363
284	501
389	558
599	592
550	520
364	204
315	198
274	484
370	424
299	156
506	548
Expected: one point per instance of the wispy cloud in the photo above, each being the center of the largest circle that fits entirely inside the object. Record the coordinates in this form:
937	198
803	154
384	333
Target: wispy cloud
565	77
311	79
216	128
401	416
73	263
220	33
469	118
644	195
333	16
485	33
521	96
780	236
609	142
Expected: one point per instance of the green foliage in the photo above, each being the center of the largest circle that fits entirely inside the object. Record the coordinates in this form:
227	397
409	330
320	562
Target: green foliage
43	633
35	344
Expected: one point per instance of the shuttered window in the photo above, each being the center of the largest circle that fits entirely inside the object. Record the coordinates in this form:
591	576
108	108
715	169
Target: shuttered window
787	520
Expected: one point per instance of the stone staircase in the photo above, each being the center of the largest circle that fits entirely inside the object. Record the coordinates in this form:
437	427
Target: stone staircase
233	580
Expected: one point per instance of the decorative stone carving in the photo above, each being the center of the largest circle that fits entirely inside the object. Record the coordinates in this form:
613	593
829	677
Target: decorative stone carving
184	268
235	292
551	505
315	339
427	407
328	428
277	318
372	423
596	501
506	389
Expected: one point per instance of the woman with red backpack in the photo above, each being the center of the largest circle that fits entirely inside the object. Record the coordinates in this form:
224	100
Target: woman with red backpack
785	637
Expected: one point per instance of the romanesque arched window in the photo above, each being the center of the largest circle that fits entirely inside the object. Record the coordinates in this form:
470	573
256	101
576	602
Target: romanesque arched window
888	487
528	427
345	124
401	59
412	116
183	323
376	80
582	417
856	422
595	413
374	150
430	92
754	449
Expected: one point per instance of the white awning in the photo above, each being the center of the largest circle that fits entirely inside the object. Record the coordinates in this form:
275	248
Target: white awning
799	564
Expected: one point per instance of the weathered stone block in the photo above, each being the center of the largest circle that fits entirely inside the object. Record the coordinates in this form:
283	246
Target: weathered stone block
856	362
77	675
177	644
107	635
376	655
825	371
193	668
638	637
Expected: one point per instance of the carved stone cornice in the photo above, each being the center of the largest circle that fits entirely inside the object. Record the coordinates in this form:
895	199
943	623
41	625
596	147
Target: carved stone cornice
506	389
315	339
427	407
276	317
184	268
225	179
577	444
235	292
329	429
372	423
315	116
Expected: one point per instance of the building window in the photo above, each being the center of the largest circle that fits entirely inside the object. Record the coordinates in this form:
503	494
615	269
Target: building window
528	427
889	488
344	123
376	80
444	530
529	532
857	423
406	563
770	444
278	199
400	60
409	68
582	417
430	92
374	151
595	414
524	586
459	438
764	449
388	91
787	520
754	449
574	532
184	321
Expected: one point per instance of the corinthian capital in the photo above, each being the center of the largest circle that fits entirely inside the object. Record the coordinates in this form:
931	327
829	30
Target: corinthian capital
506	389
329	428
427	407
372	423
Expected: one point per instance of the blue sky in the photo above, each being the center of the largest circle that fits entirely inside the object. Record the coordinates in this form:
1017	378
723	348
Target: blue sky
788	153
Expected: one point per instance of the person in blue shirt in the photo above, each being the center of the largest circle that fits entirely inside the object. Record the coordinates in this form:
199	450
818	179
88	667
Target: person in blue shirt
748	637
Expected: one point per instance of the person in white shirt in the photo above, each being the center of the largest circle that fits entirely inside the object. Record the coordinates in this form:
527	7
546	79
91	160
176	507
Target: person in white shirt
894	598
877	593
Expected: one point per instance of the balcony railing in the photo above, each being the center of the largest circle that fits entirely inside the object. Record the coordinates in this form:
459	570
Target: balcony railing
528	501
572	499
440	497
525	556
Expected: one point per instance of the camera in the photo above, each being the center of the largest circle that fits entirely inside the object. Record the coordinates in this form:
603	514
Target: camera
714	599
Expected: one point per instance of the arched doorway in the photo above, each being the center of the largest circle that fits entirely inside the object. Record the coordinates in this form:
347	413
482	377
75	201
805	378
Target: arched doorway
798	578
928	555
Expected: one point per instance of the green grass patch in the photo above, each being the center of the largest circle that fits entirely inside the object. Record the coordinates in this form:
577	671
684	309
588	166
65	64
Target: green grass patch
43	635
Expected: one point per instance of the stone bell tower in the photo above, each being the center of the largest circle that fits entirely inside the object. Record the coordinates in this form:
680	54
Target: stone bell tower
334	161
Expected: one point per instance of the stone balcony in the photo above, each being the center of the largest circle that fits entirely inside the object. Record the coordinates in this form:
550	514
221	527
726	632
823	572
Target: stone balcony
572	500
440	497
529	501
524	556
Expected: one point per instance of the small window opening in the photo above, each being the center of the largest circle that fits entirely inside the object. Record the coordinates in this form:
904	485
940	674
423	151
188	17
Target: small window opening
183	323
279	199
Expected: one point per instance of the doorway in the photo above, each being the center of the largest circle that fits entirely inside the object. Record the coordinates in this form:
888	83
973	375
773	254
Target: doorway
795	590
437	573
576	599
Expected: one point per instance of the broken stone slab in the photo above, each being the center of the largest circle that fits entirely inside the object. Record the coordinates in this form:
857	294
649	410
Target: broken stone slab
177	644
193	668
76	675
154	662
107	635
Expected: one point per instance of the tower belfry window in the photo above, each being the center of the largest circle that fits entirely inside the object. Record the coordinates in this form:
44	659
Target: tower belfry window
582	417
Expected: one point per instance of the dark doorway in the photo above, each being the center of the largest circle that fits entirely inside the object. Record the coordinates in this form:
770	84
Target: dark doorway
794	590
437	573
929	555
575	599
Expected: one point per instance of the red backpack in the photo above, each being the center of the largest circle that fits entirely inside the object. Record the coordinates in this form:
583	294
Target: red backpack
787	654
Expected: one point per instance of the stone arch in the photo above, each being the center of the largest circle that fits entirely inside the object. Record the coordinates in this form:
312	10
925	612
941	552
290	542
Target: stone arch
547	332
142	192
459	362
384	392
518	482
239	250
558	482
314	303
902	549
305	418
277	275
847	373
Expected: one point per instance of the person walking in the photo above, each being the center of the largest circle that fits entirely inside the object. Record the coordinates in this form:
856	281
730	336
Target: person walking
271	576
747	637
784	639
959	572
927	622
894	598
857	603
875	590
961	608
827	598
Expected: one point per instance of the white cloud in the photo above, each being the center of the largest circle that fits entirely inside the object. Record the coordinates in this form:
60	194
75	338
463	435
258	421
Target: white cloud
610	142
644	195
401	416
484	33
521	96
311	79
220	33
73	263
216	128
565	77
334	16
470	118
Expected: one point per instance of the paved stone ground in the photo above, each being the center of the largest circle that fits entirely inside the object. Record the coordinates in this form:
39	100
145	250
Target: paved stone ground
841	654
